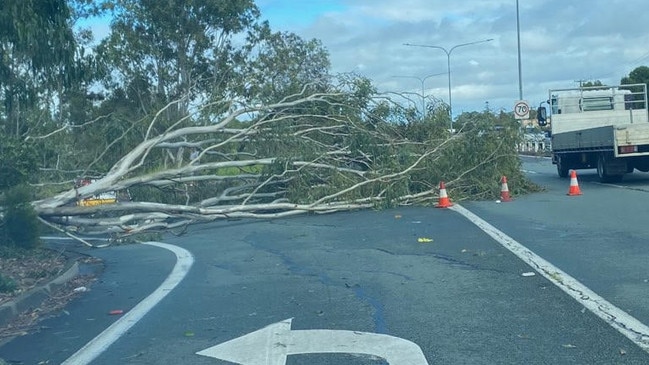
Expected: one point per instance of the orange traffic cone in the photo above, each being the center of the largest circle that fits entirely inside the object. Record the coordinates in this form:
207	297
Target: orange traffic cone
444	201
574	185
504	190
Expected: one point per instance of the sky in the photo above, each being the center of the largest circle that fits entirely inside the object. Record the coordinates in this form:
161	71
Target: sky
561	42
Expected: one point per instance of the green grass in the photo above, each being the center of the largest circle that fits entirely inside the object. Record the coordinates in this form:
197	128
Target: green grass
233	171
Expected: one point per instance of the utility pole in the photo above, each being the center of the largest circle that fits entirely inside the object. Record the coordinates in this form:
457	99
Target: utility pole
581	82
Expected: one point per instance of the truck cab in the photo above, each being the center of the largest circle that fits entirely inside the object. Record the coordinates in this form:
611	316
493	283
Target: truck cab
600	127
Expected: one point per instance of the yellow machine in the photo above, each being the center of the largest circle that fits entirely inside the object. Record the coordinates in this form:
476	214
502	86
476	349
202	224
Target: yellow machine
109	197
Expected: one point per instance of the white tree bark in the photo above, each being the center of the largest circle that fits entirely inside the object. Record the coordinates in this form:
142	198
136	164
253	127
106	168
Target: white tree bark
225	179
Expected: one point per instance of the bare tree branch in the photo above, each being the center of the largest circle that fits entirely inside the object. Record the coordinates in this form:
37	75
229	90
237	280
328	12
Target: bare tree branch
306	154
66	127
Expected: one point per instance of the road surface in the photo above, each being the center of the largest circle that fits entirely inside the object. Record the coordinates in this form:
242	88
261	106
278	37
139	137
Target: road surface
301	289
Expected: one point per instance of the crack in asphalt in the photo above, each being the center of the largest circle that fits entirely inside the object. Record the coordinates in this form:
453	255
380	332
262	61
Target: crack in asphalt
447	259
378	311
604	308
624	323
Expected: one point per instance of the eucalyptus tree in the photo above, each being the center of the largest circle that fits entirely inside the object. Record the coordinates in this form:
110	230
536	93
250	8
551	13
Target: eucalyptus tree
318	176
40	73
210	115
36	47
281	63
165	58
174	48
342	154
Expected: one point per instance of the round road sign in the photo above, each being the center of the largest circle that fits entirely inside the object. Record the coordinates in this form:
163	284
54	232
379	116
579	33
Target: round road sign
521	110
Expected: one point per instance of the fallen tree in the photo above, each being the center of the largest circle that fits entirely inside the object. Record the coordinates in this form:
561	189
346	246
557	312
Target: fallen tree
205	113
308	153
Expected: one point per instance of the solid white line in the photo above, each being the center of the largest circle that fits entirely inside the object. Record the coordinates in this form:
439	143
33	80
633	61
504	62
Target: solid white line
624	323
57	238
536	157
99	344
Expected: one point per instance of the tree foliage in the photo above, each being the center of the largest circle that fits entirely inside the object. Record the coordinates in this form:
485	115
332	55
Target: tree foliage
161	50
591	84
202	112
280	64
36	48
20	224
639	75
18	160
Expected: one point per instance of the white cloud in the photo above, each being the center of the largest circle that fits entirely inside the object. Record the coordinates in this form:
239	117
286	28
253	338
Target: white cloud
561	42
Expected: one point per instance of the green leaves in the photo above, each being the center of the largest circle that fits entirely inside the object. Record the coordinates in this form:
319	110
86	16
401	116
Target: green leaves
639	75
268	123
20	222
175	46
17	161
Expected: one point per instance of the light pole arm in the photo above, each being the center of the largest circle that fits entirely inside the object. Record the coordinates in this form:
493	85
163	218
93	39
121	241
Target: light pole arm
427	46
448	71
448	68
422	80
468	44
448	60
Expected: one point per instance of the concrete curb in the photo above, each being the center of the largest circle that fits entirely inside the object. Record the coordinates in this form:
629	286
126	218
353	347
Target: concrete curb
36	296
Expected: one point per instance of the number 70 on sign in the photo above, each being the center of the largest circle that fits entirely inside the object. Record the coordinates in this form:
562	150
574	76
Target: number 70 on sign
521	110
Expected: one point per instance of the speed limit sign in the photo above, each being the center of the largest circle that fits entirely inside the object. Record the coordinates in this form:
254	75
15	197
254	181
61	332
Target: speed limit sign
521	110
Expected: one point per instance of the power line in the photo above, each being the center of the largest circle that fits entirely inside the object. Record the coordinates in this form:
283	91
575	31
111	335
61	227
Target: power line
626	65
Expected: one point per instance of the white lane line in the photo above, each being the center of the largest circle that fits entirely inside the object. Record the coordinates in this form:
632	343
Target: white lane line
58	238
625	187
99	344
531	157
624	323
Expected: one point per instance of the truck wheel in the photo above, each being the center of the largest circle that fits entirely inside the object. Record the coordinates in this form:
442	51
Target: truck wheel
562	169
603	173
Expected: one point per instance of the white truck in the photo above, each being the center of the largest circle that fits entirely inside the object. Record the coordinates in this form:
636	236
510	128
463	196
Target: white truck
602	127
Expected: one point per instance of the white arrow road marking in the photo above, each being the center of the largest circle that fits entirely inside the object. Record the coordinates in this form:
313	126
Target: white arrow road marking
624	323
99	344
270	346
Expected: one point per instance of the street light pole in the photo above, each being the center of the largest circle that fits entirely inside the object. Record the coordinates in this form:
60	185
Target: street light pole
423	90
520	73
448	67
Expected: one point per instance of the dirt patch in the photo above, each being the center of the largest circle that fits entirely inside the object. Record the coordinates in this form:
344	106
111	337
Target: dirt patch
26	270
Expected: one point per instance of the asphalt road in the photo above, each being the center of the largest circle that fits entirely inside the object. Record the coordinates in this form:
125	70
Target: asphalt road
130	273
461	297
600	237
